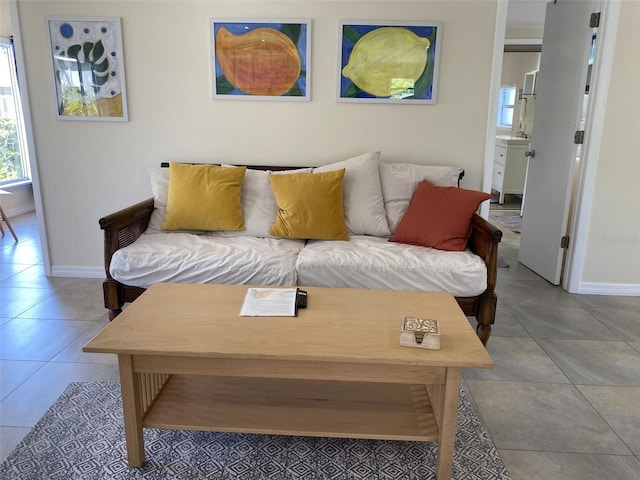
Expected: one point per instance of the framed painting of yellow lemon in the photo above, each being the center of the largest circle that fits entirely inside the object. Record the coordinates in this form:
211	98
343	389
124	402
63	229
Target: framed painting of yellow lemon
388	62
260	59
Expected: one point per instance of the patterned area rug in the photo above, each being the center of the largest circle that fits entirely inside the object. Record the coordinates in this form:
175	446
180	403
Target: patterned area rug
508	219
81	437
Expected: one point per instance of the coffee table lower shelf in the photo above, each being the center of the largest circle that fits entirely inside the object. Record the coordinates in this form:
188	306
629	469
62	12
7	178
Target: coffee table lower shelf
294	407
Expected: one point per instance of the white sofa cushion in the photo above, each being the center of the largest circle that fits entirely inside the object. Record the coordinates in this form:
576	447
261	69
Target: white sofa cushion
363	202
400	180
190	258
374	262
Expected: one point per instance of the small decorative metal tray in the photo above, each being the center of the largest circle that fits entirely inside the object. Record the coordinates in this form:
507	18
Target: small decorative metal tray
420	333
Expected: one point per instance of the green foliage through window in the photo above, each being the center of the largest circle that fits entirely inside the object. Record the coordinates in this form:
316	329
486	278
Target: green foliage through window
13	162
10	158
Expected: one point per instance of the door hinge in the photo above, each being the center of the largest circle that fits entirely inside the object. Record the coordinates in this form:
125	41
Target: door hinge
578	138
564	242
594	21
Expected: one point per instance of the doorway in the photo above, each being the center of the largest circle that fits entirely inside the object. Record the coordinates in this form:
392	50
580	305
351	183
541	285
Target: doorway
519	60
585	178
552	168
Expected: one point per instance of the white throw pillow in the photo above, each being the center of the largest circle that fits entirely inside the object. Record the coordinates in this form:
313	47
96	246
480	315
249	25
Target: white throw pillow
159	178
363	202
159	185
400	180
259	206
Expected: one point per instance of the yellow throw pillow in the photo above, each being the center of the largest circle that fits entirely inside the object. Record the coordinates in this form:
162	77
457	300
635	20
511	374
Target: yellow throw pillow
309	206
204	197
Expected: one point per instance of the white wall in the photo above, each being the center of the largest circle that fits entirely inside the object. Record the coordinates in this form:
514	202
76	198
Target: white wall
89	169
5	18
19	201
532	33
613	244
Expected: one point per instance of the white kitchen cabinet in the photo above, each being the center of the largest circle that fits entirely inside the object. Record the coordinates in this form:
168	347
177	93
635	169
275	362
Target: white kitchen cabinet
509	165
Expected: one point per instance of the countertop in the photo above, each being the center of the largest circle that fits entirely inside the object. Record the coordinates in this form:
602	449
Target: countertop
512	140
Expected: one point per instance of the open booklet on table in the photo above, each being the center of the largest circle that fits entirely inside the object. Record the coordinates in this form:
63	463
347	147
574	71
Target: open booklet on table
270	302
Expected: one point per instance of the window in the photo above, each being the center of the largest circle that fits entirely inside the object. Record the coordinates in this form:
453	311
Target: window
14	165
506	106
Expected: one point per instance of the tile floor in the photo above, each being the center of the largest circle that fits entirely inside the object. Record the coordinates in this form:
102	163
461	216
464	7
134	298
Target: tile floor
563	401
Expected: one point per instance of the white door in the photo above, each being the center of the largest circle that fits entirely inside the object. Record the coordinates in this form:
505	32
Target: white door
559	98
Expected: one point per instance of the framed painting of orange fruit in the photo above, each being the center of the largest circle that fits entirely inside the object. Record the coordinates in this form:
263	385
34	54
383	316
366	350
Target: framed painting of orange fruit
261	59
388	62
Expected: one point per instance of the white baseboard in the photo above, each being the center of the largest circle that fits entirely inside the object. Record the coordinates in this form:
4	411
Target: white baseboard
77	272
622	289
19	210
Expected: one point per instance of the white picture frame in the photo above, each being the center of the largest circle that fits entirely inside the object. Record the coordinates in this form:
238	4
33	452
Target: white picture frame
87	65
365	74
235	77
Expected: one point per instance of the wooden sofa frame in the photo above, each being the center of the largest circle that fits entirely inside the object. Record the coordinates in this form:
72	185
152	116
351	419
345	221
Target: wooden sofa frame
123	227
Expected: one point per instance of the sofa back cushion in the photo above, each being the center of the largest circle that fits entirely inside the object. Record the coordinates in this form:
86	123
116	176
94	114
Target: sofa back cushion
203	198
363	203
400	180
310	206
159	178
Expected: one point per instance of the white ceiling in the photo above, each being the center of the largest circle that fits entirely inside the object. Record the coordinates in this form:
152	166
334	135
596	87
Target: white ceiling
526	13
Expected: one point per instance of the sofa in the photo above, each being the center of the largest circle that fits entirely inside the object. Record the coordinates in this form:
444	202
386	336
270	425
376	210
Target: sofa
358	223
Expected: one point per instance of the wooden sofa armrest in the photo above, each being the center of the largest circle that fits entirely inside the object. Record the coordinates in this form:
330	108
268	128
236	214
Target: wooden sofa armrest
121	228
484	242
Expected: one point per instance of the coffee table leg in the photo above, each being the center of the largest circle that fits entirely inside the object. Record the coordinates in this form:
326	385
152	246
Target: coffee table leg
132	410
449	397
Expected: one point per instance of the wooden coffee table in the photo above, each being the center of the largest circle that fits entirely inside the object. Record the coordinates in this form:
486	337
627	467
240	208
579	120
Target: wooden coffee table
189	361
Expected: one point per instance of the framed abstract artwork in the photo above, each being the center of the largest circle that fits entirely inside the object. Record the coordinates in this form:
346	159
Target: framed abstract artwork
260	59
388	62
88	68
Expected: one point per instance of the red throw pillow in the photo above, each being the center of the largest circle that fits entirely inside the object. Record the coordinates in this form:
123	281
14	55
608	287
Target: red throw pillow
439	217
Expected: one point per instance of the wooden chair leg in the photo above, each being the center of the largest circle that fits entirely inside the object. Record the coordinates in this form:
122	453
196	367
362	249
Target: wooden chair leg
6	220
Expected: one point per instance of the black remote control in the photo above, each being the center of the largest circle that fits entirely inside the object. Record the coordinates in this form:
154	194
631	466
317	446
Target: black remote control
301	299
